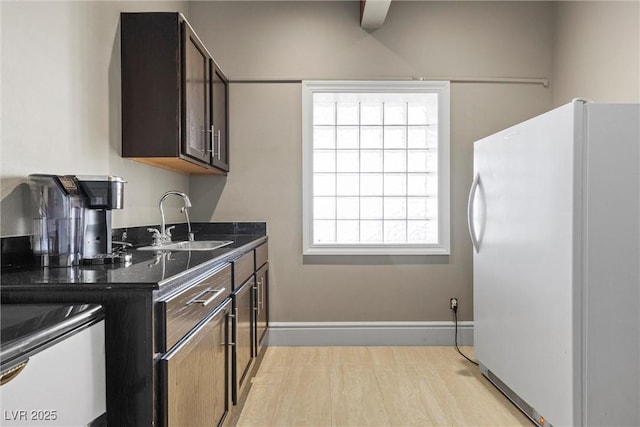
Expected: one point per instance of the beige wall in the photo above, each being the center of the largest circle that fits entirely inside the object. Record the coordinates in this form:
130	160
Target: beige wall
61	106
303	40
597	51
61	114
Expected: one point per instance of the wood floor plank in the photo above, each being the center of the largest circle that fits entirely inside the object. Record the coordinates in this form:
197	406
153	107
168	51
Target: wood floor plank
271	370
271	378
436	388
259	409
277	356
350	356
309	356
304	397
374	386
465	393
356	399
403	402
389	356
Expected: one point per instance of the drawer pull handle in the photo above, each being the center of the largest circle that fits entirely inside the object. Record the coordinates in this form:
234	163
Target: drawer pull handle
206	302
230	324
236	319
7	376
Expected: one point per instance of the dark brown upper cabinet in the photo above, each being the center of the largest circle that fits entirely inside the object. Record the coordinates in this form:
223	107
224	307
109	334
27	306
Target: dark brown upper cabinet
174	96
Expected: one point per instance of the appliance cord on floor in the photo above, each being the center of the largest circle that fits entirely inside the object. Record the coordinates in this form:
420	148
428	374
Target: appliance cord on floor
455	317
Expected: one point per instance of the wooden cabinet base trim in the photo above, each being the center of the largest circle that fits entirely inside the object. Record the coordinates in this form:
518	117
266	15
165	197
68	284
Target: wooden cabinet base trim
178	165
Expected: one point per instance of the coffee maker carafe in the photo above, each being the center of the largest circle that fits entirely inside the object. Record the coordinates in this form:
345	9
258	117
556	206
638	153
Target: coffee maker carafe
72	218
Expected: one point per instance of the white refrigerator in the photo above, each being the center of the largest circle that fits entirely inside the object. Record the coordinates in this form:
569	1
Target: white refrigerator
554	219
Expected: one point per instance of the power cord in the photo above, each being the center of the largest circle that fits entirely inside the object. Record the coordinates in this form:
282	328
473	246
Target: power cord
454	307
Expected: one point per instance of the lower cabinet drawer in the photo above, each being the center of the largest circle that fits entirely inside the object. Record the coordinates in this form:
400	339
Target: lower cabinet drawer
262	255
185	310
242	269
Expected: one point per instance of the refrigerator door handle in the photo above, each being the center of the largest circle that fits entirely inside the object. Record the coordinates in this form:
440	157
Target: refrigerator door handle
472	227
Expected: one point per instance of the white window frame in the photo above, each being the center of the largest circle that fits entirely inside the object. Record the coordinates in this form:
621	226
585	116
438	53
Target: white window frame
442	88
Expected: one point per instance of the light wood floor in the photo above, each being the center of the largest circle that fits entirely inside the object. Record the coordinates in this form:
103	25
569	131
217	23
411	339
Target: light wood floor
374	386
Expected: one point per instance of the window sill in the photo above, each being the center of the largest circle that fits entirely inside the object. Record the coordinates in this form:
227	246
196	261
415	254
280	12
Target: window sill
375	250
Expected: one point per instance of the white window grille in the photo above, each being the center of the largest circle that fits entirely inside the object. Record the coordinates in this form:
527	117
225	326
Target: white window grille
375	167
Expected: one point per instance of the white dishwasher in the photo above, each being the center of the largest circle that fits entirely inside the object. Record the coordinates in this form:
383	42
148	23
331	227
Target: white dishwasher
52	365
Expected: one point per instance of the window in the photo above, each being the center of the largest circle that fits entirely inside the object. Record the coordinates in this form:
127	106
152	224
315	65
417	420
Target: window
375	167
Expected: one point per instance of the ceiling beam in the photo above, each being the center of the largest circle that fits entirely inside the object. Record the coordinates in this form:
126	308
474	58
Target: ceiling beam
373	13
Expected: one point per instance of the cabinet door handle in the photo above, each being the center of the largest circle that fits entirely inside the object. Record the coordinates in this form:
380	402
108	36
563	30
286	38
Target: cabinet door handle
203	150
215	134
256	288
206	150
230	316
212	150
206	302
218	144
261	292
235	330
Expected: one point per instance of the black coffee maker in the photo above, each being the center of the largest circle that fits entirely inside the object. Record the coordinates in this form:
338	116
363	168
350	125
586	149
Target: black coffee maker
72	219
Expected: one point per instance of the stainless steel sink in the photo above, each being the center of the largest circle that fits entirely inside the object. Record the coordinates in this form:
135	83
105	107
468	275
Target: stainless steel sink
200	245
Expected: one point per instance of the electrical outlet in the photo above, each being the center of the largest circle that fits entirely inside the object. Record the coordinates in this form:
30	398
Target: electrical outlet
453	303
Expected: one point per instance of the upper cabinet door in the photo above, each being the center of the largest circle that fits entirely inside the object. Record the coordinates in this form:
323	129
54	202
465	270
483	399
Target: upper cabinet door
197	132
220	149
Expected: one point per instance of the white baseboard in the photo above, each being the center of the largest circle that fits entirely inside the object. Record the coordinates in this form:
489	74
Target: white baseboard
368	333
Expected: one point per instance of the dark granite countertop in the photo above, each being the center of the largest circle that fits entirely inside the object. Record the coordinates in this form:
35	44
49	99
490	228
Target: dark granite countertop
147	269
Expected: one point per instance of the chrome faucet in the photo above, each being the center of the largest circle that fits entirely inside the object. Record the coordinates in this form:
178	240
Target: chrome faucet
164	235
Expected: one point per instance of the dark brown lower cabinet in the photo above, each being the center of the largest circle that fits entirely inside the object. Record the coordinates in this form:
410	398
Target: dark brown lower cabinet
260	308
181	355
196	372
243	349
